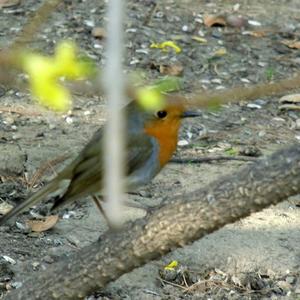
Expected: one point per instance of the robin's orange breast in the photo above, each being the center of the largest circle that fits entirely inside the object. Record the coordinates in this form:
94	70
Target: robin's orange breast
166	134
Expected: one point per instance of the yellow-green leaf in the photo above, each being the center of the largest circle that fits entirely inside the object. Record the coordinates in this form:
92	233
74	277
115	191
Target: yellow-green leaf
165	46
172	265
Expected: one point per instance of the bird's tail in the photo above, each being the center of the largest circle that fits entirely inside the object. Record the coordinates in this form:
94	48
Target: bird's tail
51	187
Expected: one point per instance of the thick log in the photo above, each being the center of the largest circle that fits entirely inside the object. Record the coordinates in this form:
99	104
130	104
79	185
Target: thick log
185	219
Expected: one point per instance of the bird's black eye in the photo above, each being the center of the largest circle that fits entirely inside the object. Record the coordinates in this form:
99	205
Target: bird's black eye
161	114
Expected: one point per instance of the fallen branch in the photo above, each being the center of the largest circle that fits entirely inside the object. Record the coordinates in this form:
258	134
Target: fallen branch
256	186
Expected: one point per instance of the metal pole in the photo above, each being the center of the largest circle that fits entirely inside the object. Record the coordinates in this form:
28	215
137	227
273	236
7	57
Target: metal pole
114	85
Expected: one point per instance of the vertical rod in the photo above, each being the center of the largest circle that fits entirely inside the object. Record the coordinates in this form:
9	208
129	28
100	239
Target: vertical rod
114	135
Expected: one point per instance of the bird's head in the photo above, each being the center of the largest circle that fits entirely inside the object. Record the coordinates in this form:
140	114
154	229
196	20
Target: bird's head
169	116
162	124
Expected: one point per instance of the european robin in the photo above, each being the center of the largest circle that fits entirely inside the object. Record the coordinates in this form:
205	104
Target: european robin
151	139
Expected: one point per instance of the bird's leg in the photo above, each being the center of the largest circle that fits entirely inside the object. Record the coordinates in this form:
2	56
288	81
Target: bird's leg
127	203
111	227
97	201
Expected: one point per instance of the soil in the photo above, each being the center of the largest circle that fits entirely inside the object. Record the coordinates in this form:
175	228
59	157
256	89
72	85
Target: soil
255	258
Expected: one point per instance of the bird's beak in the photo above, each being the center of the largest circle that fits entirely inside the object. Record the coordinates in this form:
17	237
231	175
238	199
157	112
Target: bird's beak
190	114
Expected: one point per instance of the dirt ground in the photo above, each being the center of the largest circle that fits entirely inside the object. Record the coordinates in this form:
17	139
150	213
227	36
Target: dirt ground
255	258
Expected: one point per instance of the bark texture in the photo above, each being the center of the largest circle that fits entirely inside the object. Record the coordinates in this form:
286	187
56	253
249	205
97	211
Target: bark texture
186	219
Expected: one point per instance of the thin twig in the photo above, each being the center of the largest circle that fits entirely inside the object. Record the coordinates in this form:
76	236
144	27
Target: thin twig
174	284
20	111
200	160
44	168
148	17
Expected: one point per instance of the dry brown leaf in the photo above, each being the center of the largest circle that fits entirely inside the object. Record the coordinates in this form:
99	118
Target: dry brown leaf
293	44
293	98
9	3
214	20
99	33
289	107
42	225
173	70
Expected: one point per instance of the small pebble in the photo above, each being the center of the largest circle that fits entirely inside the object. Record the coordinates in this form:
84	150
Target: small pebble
297	124
205	81
35	265
182	143
216	80
134	61
16	136
98	46
185	28
69	120
87	113
52	126
290	279
236	6
260	101
253	106
131	30
254	23
57	242
261	64
16	284
48	259
251	151
277	119
9	259
159	14
89	23
23	227
142	51
201	33
217	34
245	80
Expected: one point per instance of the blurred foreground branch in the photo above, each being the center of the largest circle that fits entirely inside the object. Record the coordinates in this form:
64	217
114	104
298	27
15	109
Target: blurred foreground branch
184	220
9	57
236	94
35	23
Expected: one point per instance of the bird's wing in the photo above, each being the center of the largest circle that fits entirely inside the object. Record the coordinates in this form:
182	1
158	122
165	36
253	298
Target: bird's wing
87	176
